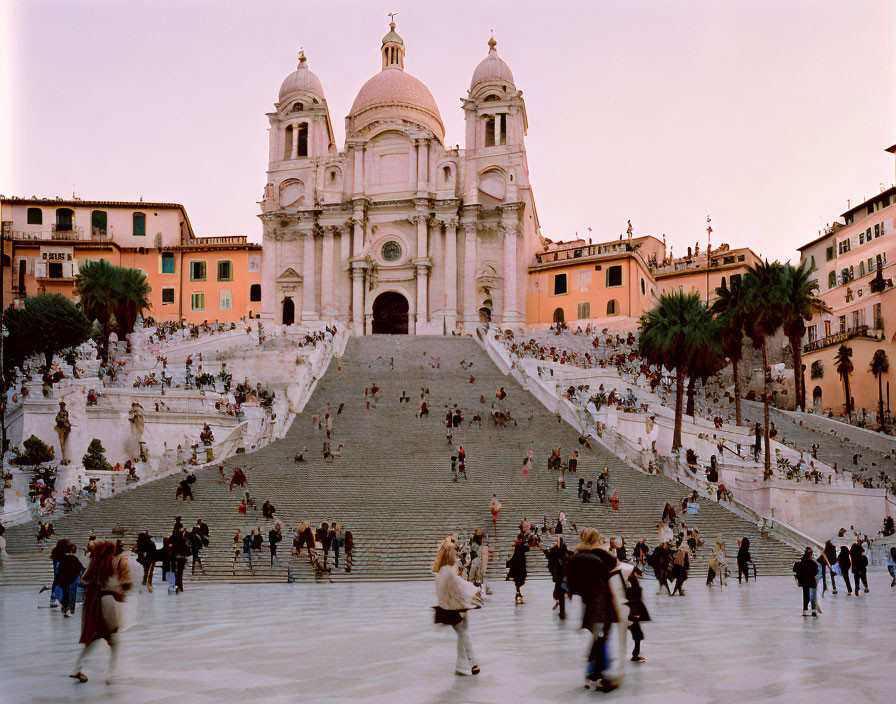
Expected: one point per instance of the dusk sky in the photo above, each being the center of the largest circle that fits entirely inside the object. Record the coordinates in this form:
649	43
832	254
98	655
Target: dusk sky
765	114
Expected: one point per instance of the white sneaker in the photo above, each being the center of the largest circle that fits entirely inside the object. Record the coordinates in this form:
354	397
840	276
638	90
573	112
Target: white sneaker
463	673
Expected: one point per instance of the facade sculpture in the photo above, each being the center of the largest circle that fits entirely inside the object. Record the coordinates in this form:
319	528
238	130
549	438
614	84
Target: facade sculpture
63	430
398	232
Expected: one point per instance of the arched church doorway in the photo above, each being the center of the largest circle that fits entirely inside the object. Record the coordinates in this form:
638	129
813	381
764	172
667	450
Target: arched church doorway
816	399
289	311
558	316
485	315
390	314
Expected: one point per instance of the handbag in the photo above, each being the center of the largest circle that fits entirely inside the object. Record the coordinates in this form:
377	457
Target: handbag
447	617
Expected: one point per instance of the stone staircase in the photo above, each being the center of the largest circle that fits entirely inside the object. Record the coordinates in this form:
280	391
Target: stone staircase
392	486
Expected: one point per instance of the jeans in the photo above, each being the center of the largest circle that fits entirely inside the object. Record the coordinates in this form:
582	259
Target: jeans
465	657
845	574
810	595
597	657
860	576
179	564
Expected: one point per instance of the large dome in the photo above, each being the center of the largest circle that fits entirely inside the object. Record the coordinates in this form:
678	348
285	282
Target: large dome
394	87
492	68
302	79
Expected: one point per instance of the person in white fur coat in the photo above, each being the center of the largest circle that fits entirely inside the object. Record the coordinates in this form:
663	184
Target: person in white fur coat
456	596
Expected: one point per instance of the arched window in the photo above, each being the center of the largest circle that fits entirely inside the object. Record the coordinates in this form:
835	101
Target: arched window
35	216
302	137
558	316
489	130
254	293
491	98
447	173
613	307
298	107
98	222
287	142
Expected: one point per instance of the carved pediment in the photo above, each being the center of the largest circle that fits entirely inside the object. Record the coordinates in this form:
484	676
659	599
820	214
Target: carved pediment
289	276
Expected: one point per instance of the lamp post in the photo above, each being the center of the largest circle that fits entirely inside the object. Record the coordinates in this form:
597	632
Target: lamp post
708	256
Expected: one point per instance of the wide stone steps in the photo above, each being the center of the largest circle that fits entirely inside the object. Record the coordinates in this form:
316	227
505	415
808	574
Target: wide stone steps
392	486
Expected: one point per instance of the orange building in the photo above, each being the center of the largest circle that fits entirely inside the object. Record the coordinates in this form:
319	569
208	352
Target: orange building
690	274
192	278
579	282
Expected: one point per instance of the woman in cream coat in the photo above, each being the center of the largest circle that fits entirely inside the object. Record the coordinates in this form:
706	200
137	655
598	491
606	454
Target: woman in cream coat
455	596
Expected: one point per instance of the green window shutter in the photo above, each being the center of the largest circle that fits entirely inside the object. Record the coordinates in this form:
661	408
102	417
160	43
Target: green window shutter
139	225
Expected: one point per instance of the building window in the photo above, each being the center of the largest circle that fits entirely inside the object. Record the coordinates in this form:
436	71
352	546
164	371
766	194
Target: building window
829	252
843	247
302	140
225	301
812	331
225	270
287	142
862	238
489	130
197	301
559	284
197	271
167	262
558	316
585	310
614	276
735	280
878	317
64	218
54	270
254	293
861	269
832	279
254	263
643	287
827	328
98	221
167	295
612	307
842	323
868	235
139	224
35	216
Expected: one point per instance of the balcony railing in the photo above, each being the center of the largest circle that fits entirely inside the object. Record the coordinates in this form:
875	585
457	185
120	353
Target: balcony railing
586	250
862	331
77	234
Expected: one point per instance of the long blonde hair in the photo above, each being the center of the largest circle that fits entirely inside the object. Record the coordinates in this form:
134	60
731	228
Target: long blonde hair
447	555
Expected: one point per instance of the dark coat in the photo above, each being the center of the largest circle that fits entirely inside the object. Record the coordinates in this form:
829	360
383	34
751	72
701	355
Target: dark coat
859	561
806	571
743	553
588	575
517	564
843	560
637	610
558	556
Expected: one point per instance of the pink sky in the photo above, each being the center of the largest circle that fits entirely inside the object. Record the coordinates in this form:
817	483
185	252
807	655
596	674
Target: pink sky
766	114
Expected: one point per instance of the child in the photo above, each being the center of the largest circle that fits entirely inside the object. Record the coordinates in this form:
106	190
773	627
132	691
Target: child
637	613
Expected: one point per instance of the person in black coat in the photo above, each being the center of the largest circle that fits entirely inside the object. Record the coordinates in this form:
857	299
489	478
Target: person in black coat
588	575
859	566
558	555
845	563
806	573
637	612
196	544
70	570
827	563
180	551
659	560
516	566
743	560
146	556
274	536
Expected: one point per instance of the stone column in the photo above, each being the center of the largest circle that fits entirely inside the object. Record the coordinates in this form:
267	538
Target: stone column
422	165
471	316
422	290
413	159
309	283
511	237
422	249
450	276
357	300
326	275
294	152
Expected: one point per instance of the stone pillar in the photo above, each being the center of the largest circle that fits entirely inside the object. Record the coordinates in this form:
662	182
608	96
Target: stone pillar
309	283
422	249
358	301
294	152
450	276
422	165
511	238
471	315
422	290
326	275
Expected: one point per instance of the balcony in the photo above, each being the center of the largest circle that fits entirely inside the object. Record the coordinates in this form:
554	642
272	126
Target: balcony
55	233
579	252
862	331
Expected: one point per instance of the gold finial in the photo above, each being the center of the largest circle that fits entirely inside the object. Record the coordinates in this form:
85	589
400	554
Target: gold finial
302	58
491	42
391	19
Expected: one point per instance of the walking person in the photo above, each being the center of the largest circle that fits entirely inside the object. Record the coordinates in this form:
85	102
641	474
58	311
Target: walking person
479	554
108	581
681	563
589	574
517	567
830	563
274	536
744	559
660	562
845	563
337	541
637	611
859	566
180	551
196	543
495	511
806	573
349	549
558	555
718	564
68	576
455	597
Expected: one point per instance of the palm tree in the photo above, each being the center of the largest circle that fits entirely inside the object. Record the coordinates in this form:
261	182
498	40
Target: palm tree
843	365
94	286
705	358
764	314
800	305
667	334
729	311
880	365
131	292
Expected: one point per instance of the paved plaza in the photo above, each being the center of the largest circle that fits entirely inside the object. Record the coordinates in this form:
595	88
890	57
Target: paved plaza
375	642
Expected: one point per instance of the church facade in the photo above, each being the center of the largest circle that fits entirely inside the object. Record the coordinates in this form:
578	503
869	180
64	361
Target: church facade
397	232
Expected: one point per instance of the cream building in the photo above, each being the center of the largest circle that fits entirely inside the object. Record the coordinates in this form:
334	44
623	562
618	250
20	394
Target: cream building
396	231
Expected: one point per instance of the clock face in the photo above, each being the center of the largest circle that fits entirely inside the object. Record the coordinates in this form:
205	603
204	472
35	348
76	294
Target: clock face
391	251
